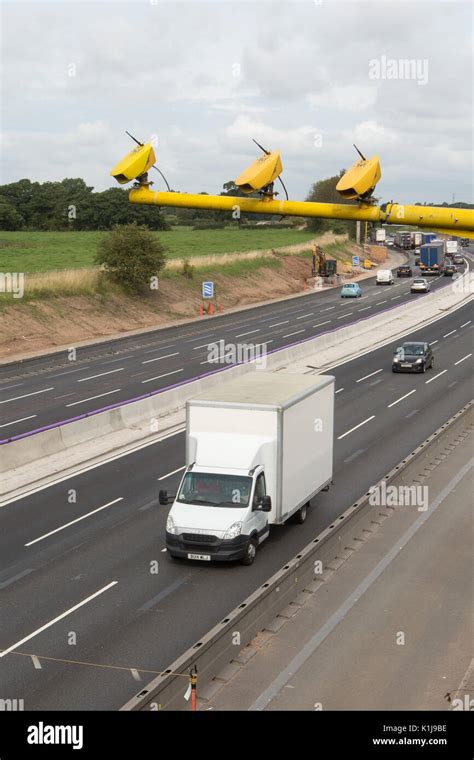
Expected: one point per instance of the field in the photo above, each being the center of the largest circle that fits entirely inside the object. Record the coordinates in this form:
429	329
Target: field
30	252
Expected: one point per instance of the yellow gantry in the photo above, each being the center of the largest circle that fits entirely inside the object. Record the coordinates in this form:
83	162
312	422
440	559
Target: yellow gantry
454	221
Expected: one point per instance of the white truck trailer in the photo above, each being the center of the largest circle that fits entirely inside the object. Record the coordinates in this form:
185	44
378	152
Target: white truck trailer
258	449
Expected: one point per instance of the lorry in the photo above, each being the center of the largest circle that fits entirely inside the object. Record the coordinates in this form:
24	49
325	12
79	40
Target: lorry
432	258
403	239
378	235
428	237
258	449
451	247
416	239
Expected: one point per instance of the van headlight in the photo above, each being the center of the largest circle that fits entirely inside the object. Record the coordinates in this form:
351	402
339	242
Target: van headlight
418	361
234	531
170	526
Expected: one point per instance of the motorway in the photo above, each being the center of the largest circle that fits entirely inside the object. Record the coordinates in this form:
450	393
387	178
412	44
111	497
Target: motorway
85	621
46	390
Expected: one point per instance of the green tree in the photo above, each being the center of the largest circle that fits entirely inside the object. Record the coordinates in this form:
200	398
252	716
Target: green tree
325	191
131	255
10	219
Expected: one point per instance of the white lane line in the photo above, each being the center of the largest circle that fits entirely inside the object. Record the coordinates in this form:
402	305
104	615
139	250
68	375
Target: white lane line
398	285
6	424
401	398
250	332
277	324
293	333
310	314
102	374
59	617
466	324
459	362
158	377
159	348
203	345
217	360
365	308
379	303
91	398
340	390
328	309
319	324
434	341
349	314
371	375
158	358
394	298
78	519
355	428
449	333
434	378
168	474
201	337
26	395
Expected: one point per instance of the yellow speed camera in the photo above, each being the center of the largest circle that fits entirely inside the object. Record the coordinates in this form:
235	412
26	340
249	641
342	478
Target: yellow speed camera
360	180
261	173
135	163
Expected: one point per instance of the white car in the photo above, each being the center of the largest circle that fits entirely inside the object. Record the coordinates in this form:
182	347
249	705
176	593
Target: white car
420	285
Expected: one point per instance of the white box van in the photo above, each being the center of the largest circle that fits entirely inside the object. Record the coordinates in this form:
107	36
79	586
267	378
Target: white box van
258	449
384	277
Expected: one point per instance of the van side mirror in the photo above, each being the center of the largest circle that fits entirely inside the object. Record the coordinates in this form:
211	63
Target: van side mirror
163	497
266	505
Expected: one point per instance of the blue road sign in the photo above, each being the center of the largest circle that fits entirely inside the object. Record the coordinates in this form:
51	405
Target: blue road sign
355	261
208	290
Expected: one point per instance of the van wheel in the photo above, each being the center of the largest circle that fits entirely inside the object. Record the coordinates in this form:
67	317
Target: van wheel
250	552
301	514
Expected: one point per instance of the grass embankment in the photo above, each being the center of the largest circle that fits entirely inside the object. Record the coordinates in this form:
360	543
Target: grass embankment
45	251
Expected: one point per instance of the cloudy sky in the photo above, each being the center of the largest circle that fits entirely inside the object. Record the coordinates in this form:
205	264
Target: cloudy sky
308	77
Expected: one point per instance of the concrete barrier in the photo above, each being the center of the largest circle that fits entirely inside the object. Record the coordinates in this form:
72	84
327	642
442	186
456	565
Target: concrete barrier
70	444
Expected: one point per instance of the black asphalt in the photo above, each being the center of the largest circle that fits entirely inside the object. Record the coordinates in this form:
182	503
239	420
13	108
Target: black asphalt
147	619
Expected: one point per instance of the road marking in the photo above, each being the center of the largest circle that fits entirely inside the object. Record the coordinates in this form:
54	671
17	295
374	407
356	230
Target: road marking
349	314
159	348
277	324
379	303
168	474
339	437
102	374
250	332
213	361
401	398
26	395
365	308
119	359
201	337
449	333
395	298
78	519
455	363
339	391
310	314
411	414
371	375
203	345
466	324
354	455
158	358
434	378
319	324
70	371
293	333
158	377
91	398
434	341
328	309
22	419
56	619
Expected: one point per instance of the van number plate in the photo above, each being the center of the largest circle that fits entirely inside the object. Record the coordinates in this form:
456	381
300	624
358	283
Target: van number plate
200	556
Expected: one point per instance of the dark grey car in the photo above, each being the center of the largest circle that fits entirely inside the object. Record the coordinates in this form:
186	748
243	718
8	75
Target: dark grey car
412	356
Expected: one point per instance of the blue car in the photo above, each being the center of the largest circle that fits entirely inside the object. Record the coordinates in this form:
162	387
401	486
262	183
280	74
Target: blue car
351	290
